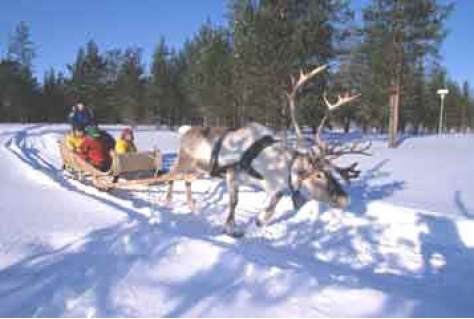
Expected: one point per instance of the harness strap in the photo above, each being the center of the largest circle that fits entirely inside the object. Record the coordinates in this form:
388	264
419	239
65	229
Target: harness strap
252	152
217	171
245	162
290	179
296	196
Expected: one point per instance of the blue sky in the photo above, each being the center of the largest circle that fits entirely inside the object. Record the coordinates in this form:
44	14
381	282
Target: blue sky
59	27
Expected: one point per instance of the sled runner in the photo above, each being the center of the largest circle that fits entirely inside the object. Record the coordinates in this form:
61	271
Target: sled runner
147	164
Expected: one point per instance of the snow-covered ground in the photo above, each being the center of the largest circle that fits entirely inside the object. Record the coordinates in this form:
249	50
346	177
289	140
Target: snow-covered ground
404	247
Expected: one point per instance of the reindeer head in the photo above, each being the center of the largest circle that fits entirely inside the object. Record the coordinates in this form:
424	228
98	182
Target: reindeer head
315	181
314	168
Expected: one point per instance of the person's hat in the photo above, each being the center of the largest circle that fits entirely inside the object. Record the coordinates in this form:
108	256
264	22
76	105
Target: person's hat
93	131
127	131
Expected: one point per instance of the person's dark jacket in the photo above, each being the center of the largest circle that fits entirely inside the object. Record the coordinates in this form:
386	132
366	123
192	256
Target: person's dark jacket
108	140
82	118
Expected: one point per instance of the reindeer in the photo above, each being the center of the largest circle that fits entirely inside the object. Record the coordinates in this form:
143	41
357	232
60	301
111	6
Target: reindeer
253	155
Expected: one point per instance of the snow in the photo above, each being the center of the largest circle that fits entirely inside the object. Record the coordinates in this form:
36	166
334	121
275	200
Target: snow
403	247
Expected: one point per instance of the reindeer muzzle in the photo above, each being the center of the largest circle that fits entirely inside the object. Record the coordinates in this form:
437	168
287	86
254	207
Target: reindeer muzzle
342	201
339	197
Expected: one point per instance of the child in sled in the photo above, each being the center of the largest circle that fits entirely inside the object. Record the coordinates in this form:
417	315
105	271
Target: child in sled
95	150
125	144
75	138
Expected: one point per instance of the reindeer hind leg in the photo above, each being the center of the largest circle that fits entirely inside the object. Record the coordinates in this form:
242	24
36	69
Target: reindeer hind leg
183	164
169	193
232	187
175	168
189	198
265	216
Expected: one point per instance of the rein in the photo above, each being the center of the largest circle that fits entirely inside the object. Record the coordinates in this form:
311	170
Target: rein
296	196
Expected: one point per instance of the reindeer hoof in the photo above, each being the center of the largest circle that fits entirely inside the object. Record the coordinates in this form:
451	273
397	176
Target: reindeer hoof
259	223
192	206
263	219
166	202
233	231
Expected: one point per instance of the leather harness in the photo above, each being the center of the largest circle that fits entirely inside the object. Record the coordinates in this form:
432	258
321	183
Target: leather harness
245	162
296	196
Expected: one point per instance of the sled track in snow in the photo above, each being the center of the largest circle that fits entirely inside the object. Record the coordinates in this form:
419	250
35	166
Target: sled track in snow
403	252
19	145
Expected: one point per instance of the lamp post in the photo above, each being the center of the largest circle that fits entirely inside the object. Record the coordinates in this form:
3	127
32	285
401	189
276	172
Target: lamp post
442	93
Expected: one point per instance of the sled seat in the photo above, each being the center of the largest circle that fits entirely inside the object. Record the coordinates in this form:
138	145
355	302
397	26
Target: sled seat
124	163
148	162
136	162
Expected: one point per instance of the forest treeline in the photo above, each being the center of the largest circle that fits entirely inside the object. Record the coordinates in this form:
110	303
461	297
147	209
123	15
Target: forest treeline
230	74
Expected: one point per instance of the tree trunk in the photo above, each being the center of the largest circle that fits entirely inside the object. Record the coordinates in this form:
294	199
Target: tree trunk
284	127
463	116
394	113
365	128
347	125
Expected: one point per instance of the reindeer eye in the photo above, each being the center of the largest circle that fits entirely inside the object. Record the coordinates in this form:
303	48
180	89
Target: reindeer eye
319	175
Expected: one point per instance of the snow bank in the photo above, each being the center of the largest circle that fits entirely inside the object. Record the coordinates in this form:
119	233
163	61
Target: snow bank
404	247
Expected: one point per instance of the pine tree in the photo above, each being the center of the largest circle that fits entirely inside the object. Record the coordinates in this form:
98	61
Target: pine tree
182	109
208	78
130	88
273	39
21	48
399	34
87	82
466	105
20	93
159	84
54	98
114	60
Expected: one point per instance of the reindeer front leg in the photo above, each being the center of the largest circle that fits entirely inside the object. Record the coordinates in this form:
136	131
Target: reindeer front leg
169	193
189	198
233	190
265	216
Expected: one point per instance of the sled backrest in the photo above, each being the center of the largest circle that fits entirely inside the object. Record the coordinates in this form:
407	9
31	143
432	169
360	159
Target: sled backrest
136	162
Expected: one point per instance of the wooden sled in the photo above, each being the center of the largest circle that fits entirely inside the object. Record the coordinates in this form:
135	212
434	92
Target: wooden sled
146	162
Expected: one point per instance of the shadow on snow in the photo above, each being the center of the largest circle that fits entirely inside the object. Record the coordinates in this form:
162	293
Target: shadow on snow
47	284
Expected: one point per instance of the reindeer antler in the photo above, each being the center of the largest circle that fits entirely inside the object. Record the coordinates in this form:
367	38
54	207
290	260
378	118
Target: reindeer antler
304	77
335	151
330	153
341	100
296	84
326	153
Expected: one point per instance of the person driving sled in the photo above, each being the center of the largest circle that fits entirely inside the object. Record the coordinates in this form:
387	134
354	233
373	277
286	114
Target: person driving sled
81	116
95	151
75	138
125	144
